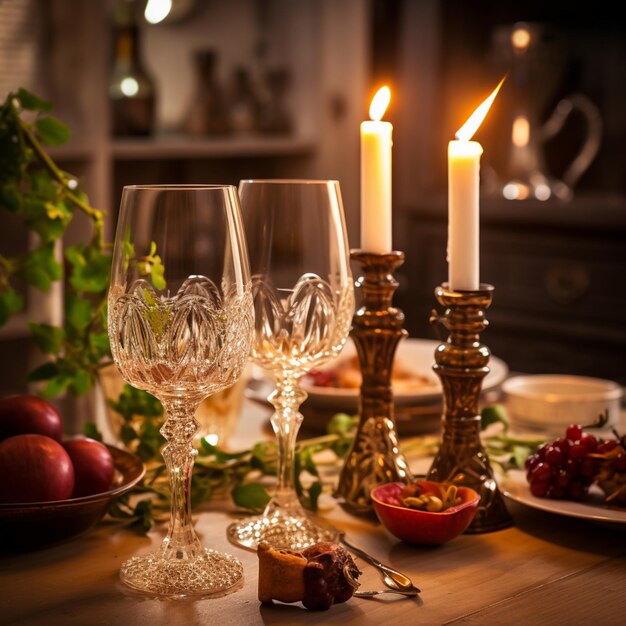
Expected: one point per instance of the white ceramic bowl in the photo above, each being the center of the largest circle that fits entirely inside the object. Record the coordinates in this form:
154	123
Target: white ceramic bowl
552	402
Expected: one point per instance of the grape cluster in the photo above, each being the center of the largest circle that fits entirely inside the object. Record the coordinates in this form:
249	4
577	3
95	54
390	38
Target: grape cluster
566	467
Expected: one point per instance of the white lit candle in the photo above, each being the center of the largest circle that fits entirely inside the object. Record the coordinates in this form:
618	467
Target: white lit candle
376	177
464	202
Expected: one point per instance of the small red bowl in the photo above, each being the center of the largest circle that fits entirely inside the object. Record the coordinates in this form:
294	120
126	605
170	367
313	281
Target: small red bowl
423	527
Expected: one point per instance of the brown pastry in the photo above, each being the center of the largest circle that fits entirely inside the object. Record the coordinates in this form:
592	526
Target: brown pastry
280	574
320	576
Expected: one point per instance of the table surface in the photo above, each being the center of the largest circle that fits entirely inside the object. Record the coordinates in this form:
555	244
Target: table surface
547	569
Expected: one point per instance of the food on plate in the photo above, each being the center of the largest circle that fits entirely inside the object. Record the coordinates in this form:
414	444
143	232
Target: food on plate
318	576
26	414
346	374
93	466
565	468
34	468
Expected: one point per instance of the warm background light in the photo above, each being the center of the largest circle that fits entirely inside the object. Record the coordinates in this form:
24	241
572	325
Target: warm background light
520	39
521	131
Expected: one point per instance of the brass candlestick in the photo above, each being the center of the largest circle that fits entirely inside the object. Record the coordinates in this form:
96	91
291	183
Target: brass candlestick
374	457
461	364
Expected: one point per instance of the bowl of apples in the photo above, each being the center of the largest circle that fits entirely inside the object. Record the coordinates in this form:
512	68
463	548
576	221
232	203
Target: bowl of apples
51	488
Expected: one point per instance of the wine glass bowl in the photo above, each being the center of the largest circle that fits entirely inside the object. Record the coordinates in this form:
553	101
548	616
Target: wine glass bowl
180	324
303	301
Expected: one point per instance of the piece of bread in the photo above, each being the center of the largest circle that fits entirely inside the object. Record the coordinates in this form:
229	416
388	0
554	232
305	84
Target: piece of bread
320	576
280	574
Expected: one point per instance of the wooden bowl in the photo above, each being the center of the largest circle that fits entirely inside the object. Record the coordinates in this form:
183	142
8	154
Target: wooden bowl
38	524
423	527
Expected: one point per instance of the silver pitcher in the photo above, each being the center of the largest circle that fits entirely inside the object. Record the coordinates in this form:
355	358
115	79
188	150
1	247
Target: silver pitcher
535	59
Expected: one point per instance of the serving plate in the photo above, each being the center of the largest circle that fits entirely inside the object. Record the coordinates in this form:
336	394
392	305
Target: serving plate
593	508
414	355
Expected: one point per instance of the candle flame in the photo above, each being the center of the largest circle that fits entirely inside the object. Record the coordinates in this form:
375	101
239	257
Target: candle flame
380	102
466	132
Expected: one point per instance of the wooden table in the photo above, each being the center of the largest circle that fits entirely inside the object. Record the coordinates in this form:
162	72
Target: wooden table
548	569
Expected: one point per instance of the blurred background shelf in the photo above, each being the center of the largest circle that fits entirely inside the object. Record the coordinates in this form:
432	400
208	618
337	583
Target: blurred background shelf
182	147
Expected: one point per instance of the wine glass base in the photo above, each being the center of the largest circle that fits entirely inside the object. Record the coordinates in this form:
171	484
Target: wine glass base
295	532
209	573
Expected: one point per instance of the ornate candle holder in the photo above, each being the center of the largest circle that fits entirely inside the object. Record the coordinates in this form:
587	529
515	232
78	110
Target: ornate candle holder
374	457
461	364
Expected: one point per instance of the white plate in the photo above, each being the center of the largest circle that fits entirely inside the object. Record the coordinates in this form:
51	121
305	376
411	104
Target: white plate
593	508
416	355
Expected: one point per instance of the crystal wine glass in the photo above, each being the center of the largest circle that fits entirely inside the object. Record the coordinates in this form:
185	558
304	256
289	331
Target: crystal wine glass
304	301
180	324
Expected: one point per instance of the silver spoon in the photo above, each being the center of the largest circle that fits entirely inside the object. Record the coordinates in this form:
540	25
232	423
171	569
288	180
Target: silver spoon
377	592
394	579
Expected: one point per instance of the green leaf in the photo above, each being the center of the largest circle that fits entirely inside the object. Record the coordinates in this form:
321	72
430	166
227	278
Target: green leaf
201	490
127	434
10	302
49	339
80	382
31	102
309	464
493	414
251	496
44	372
132	402
100	344
342	424
157	273
40	267
314	492
52	130
520	454
74	254
10	197
90	269
77	311
91	430
146	451
57	385
143	516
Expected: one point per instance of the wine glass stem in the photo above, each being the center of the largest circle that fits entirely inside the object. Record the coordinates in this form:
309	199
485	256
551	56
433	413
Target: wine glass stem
179	429
286	421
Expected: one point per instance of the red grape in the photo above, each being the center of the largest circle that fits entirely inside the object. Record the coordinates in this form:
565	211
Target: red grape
578	451
542	472
554	456
574	432
576	491
588	468
539	488
590	442
567	466
607	446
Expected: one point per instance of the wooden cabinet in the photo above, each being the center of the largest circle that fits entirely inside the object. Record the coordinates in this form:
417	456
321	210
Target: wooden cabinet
559	275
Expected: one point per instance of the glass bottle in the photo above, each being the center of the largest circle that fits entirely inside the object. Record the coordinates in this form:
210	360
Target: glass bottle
131	89
275	116
244	106
207	114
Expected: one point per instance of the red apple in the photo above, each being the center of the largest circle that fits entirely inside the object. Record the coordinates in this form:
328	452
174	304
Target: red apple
93	466
34	468
25	414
